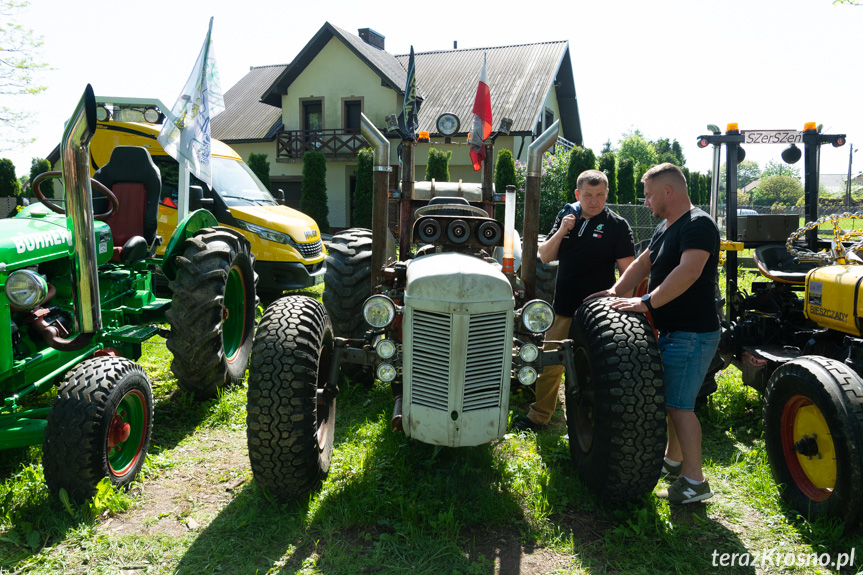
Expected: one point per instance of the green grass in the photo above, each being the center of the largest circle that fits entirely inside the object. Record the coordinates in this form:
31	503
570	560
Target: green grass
392	505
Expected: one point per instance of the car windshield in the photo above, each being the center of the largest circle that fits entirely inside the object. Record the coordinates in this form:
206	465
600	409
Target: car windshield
237	184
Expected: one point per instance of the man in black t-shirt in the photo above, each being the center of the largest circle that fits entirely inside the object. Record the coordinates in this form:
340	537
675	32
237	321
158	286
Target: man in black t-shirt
682	264
588	240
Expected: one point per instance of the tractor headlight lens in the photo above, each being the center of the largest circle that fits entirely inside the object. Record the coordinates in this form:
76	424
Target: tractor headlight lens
379	311
528	353
386	372
26	289
537	316
386	348
527	375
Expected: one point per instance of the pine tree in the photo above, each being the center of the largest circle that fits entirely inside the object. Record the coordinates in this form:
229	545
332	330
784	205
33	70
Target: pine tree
261	167
580	159
313	201
363	193
438	165
608	165
626	181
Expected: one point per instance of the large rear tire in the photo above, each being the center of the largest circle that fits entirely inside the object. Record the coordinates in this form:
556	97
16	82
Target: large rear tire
813	432
291	418
99	426
348	281
212	315
616	423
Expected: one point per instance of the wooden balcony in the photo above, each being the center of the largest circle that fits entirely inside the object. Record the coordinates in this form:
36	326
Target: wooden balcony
292	144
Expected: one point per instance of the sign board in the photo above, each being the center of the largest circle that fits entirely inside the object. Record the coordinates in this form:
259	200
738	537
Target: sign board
772	136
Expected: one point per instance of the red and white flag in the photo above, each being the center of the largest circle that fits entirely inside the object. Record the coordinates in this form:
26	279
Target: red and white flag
481	128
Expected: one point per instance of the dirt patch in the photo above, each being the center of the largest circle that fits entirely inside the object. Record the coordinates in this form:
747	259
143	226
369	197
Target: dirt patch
502	546
200	480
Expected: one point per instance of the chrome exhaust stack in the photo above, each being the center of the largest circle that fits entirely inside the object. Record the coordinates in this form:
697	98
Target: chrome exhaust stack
381	147
531	206
75	152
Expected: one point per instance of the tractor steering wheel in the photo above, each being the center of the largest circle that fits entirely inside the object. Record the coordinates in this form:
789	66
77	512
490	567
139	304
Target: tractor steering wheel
115	204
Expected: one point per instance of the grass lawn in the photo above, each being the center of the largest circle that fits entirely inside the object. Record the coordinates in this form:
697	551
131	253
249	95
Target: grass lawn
392	505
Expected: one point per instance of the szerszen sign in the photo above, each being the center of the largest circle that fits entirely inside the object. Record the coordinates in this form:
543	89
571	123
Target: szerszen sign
772	137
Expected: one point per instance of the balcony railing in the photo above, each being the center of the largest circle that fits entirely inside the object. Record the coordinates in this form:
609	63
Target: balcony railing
332	143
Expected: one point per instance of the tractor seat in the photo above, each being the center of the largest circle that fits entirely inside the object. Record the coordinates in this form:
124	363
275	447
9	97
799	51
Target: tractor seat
774	262
137	183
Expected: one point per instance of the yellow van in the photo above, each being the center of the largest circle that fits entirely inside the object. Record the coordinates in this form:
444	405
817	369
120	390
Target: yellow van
287	244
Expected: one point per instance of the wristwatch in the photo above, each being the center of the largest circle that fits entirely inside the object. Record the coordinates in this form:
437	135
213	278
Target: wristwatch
645	299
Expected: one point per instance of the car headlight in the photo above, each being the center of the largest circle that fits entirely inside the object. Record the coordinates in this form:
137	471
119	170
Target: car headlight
537	316
528	353
264	233
379	311
385	348
386	372
527	375
26	289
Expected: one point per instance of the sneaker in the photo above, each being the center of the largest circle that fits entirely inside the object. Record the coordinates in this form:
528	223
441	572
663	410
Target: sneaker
525	424
684	491
671	472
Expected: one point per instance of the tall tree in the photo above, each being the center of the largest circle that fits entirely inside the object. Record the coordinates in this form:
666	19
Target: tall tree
363	193
774	168
39	166
438	165
19	58
626	181
313	201
608	164
606	147
635	147
261	167
580	159
9	185
669	152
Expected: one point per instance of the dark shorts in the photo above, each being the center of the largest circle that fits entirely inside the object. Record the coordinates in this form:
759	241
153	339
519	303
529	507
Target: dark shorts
686	357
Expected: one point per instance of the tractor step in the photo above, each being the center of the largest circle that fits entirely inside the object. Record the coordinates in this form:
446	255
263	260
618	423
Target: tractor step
133	333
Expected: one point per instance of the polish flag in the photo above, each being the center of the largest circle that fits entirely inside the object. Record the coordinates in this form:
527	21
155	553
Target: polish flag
481	119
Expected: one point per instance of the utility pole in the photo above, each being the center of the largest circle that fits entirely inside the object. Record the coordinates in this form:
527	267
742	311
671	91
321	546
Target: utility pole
851	151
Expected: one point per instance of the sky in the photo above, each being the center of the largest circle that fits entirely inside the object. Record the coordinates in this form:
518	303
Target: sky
664	67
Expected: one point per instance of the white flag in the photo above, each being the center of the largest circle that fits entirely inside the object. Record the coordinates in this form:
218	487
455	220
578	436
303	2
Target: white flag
185	136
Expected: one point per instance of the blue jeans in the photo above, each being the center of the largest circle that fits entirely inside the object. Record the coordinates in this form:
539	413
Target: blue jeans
686	357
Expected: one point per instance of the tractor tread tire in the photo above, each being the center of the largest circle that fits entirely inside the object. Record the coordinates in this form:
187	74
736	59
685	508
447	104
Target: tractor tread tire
200	363
75	451
290	363
347	282
837	391
621	356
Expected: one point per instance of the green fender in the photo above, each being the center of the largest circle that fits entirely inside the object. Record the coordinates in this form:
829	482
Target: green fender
193	222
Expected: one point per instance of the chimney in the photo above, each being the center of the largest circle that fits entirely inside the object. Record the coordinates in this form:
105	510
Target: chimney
455	44
372	38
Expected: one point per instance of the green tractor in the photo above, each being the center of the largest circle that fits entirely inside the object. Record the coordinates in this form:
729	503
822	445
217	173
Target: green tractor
77	291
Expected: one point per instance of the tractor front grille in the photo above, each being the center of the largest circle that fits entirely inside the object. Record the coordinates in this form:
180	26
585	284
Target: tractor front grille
480	363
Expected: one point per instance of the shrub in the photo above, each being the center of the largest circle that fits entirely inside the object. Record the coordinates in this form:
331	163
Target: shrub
504	175
40	166
552	190
626	181
580	159
313	201
9	184
608	164
438	165
261	167
362	214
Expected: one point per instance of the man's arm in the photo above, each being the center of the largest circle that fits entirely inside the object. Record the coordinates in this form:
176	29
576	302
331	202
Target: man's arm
633	274
691	264
548	250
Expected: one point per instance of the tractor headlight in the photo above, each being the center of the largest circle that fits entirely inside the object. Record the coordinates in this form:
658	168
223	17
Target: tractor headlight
385	348
264	233
26	289
379	311
527	375
528	353
537	316
386	372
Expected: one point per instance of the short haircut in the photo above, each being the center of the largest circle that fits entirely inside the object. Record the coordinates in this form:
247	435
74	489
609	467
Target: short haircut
591	178
669	173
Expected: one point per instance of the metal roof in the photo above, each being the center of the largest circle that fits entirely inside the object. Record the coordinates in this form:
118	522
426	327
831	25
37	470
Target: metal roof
245	117
519	79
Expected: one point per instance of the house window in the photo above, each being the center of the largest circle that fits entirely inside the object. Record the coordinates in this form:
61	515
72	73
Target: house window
313	122
351	115
549	119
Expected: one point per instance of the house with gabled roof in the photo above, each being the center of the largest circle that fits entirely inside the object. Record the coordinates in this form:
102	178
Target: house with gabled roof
314	103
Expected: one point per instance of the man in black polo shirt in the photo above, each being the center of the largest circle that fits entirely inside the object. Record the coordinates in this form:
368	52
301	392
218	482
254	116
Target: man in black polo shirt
587	239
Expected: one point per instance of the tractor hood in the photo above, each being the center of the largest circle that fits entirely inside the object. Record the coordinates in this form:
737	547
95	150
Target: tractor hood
451	280
283	219
26	241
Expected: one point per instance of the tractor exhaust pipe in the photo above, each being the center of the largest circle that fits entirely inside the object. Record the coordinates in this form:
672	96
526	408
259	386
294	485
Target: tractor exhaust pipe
74	150
531	207
381	147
